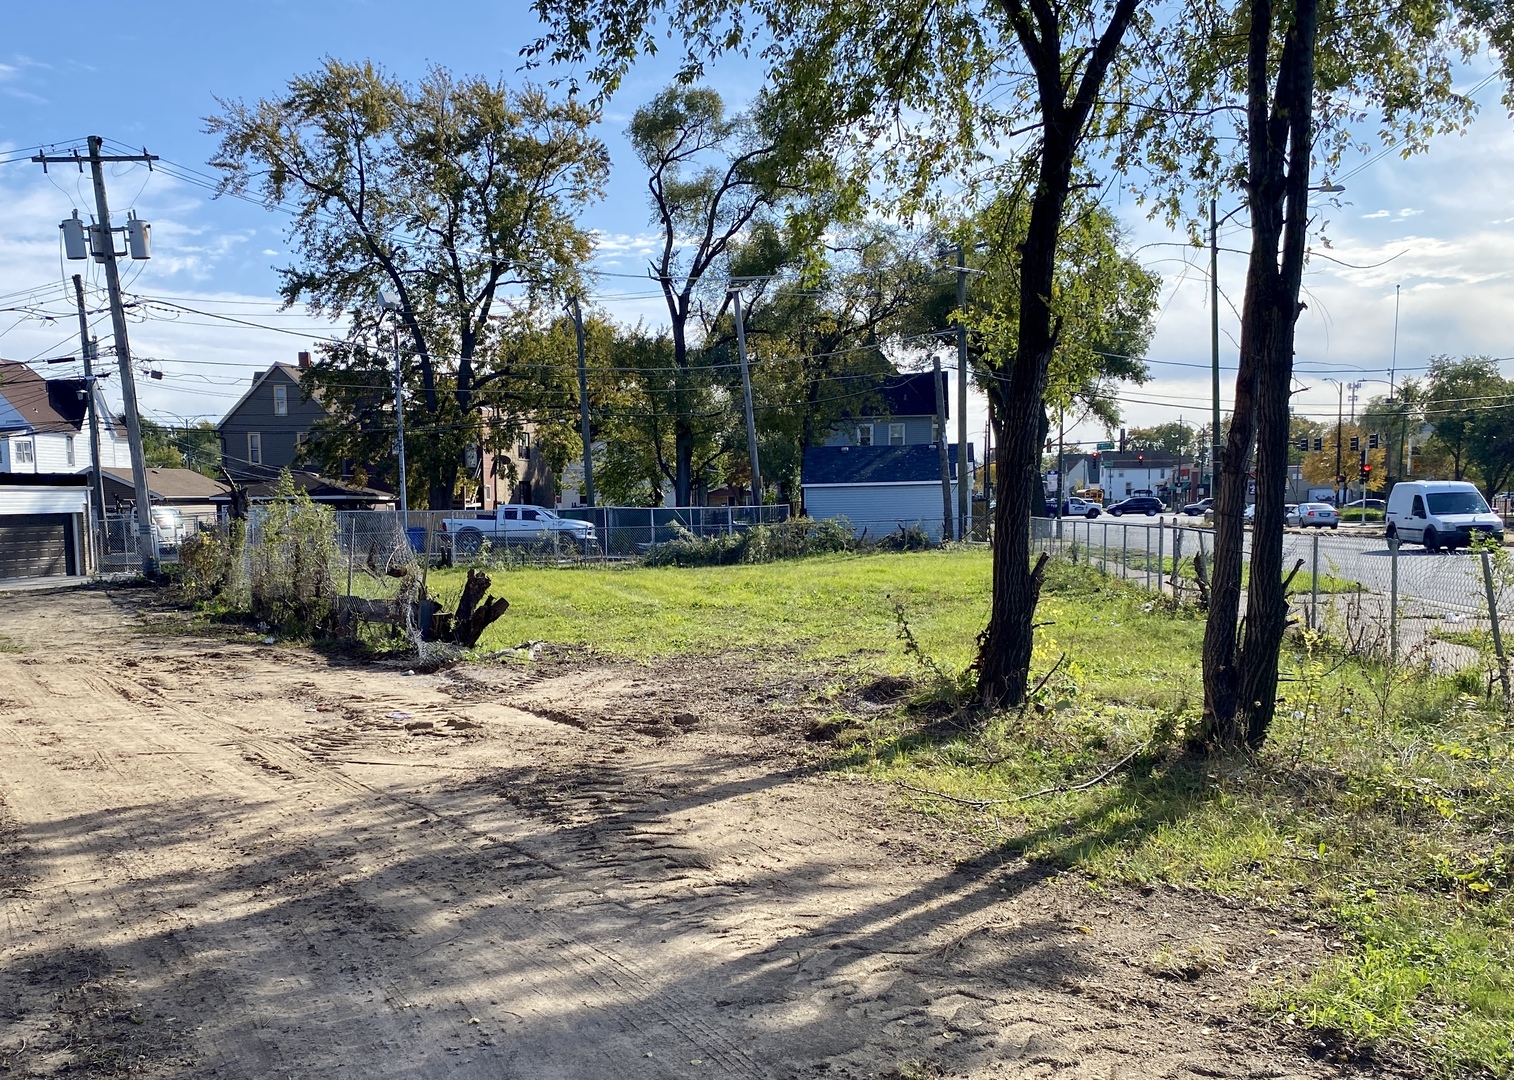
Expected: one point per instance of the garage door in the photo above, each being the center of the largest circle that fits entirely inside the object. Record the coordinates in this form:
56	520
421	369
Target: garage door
34	545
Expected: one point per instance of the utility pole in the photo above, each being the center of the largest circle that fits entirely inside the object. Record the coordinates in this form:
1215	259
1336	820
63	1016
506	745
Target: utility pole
399	427
946	468
1340	391
964	496
1214	347
746	389
87	348
583	405
104	250
392	303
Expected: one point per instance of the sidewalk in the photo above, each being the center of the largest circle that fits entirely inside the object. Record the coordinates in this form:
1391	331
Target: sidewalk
42	584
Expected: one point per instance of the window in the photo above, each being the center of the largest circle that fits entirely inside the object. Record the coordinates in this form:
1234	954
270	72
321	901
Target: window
865	435
523	451
26	454
1418	509
299	438
255	448
281	401
68	448
528	515
896	434
512	515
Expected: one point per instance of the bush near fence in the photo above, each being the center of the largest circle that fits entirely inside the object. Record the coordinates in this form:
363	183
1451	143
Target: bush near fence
758	544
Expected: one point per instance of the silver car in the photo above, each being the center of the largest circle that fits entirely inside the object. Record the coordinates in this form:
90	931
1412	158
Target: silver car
1316	515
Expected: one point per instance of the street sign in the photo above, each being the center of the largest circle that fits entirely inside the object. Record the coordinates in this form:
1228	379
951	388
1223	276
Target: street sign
1103	446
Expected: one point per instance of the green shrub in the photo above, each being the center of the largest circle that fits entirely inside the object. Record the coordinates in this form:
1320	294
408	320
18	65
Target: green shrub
291	559
759	544
207	564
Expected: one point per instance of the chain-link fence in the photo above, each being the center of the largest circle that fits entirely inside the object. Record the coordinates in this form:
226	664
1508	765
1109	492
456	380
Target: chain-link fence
117	543
1373	595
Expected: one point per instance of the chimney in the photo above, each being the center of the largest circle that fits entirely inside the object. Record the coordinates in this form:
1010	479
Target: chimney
304	360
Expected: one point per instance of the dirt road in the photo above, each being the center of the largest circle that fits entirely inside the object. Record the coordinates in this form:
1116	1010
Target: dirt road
227	859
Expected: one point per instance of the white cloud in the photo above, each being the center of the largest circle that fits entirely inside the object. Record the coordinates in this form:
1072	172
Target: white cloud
1376	214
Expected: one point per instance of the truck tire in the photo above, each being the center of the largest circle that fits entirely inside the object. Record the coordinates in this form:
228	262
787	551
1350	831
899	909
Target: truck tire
469	542
1432	541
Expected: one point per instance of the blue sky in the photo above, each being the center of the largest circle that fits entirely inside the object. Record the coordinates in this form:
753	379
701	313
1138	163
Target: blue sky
1439	226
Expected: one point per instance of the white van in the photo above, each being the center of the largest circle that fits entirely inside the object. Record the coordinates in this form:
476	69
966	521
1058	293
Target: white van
1440	513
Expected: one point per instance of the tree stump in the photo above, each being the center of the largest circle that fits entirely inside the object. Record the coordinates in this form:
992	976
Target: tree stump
476	610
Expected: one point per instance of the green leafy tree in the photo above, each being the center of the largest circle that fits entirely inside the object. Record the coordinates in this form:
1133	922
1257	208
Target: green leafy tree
959	77
1467	403
715	184
457	195
1173	437
1299	76
196	446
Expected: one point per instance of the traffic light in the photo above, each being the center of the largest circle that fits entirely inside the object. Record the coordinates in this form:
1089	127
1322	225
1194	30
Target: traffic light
1319	443
1302	443
1356	442
1366	473
1372	441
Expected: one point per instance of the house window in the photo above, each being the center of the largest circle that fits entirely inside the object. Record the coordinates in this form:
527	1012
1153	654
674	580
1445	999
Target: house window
68	448
523	451
26	454
281	401
255	448
896	434
865	435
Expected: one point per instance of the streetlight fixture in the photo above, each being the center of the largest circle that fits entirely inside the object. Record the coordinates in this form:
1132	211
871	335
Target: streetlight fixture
391	303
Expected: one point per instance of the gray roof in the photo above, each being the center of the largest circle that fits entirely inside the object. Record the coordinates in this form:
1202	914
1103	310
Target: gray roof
877	464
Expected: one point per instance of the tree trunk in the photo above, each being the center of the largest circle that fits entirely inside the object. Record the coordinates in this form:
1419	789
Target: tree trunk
1004	655
1240	676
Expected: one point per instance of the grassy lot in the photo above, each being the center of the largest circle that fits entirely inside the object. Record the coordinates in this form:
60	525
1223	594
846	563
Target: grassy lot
1380	807
829	608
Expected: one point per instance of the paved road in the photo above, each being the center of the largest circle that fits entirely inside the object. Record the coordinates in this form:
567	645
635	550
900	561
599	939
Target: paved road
1450	580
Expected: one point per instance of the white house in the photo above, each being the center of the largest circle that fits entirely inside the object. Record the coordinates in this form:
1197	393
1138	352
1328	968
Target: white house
44	425
1121	475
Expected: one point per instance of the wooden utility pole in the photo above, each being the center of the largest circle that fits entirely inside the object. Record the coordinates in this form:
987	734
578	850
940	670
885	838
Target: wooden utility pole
946	468
104	250
964	496
746	389
583	405
87	351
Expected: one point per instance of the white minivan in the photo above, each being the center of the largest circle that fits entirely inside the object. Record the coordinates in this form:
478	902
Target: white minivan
1440	513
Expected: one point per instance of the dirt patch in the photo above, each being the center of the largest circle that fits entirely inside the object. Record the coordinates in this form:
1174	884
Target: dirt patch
283	863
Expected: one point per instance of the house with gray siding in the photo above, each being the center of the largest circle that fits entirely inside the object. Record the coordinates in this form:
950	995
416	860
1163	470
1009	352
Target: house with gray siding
266	430
879	489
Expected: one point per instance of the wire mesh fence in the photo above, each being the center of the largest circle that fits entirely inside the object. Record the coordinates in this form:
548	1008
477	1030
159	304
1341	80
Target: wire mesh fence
1374	596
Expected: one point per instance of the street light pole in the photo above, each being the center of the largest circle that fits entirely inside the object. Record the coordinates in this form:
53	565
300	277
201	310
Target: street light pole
1340	396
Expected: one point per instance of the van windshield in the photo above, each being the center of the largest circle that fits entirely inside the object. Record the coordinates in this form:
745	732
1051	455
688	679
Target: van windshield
1456	502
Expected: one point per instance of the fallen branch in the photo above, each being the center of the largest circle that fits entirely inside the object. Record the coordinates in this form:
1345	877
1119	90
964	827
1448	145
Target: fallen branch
1058	789
1046	677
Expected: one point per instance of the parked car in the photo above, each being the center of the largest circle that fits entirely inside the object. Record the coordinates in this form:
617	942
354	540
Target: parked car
516	524
1440	513
1317	515
1367	504
1149	505
168	527
1076	507
1197	509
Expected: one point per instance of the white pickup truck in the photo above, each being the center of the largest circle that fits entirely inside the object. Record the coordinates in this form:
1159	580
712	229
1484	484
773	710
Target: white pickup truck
517	524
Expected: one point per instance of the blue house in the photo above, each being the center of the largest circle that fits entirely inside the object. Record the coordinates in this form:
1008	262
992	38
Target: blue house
879	489
906	415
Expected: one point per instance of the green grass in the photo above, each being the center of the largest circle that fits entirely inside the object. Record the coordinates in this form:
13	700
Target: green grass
1380	805
829	608
10	645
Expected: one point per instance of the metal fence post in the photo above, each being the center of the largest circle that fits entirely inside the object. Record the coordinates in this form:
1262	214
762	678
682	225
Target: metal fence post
1314	583
1503	666
351	544
1124	551
1177	557
1146	552
1392	599
1161	555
